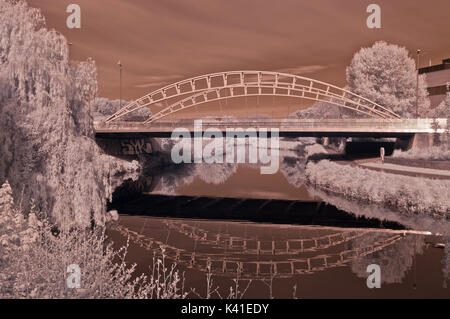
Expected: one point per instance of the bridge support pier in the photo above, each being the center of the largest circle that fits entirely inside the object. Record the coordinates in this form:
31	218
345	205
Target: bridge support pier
424	140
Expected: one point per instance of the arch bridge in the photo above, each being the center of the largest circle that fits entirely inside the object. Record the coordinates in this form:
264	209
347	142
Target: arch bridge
233	84
377	120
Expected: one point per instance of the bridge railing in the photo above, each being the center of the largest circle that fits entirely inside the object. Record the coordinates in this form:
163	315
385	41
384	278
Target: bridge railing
425	125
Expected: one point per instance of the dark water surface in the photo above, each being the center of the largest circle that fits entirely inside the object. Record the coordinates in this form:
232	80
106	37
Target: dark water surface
279	237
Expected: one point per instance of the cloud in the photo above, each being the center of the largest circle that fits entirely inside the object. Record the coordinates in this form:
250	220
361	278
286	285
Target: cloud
159	80
304	69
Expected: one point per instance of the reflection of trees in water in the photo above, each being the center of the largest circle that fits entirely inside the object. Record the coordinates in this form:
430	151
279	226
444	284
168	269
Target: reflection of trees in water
130	187
446	259
417	222
171	176
413	221
293	170
215	173
170	179
166	145
293	167
394	260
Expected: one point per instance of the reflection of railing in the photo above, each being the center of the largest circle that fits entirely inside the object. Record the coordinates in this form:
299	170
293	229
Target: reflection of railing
258	269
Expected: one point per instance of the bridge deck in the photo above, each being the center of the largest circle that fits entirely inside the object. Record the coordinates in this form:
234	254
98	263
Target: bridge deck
286	127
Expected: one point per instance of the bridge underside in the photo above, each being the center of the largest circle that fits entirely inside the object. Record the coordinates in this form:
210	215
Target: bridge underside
167	134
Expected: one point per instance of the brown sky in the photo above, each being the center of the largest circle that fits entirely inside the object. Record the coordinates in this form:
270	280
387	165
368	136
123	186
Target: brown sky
162	41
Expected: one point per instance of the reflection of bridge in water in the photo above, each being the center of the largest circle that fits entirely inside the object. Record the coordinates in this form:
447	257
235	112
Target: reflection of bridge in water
254	257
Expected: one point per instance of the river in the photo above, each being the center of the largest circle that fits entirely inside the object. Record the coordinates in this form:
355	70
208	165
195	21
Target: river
276	235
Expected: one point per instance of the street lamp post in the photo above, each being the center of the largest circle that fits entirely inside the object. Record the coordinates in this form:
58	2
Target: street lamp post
417	84
120	83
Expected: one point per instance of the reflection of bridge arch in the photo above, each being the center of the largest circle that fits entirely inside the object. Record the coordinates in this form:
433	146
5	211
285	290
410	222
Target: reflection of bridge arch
217	86
254	246
259	268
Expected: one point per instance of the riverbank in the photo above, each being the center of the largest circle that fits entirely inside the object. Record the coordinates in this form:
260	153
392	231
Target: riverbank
407	194
407	170
407	167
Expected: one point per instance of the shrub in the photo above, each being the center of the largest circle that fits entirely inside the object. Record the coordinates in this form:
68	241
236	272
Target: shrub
34	259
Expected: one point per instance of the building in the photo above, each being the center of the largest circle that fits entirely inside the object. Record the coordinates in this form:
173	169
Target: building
438	79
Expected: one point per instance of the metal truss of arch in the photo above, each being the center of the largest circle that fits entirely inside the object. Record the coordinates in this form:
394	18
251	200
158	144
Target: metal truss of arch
225	85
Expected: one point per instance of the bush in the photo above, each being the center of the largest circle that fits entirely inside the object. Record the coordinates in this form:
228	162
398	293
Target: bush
34	260
430	153
409	195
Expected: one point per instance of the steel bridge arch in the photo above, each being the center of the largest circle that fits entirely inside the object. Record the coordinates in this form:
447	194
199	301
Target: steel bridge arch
232	92
293	86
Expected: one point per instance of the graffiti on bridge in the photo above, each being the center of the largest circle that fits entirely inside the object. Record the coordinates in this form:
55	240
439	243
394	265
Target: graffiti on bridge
126	146
135	146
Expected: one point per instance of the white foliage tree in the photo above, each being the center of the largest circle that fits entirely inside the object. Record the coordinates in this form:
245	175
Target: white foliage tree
442	110
319	110
6	199
385	74
103	107
47	152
